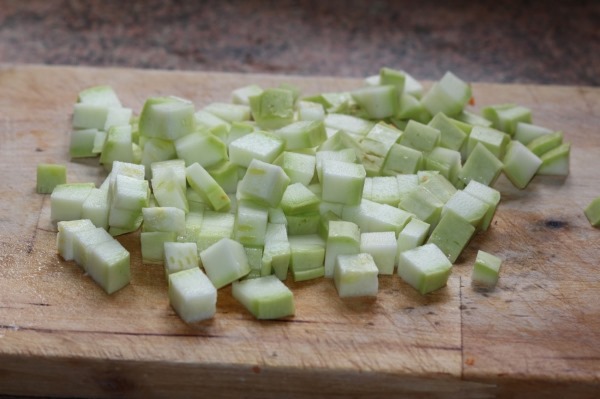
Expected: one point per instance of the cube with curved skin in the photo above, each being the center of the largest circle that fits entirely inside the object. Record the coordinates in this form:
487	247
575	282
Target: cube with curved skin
265	297
192	295
224	262
424	268
343	182
356	275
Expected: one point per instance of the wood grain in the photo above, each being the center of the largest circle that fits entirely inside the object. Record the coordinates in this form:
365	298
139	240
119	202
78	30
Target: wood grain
536	334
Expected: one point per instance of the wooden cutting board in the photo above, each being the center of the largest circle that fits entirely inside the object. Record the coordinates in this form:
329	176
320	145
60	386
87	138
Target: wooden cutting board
536	334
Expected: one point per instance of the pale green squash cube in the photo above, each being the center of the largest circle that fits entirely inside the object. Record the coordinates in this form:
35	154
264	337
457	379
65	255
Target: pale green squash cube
263	183
99	95
153	245
356	275
494	140
225	262
167	118
251	223
412	236
449	95
192	295
378	102
229	112
310	111
108	264
66	200
84	241
482	166
201	147
307	252
297	200
302	134
89	116
83	142
467	206
343	182
215	226
273	108
506	116
424	205
486	269
96	208
277	251
382	246
50	176
204	184
520	164
451	136
258	145
299	167
488	195
265	297
343	239
402	160
451	235
424	268
348	123
526	132
180	256
242	95
420	137
592	212
556	161
164	219
117	146
66	234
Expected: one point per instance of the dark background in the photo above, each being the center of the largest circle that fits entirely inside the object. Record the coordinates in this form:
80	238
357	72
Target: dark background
547	42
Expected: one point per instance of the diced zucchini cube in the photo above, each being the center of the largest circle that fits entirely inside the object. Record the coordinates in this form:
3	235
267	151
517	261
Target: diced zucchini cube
556	161
304	223
215	226
225	262
263	183
170	170
451	137
545	143
348	123
384	190
192	295
402	160
251	223
83	142
466	120
50	176
344	155
302	134
506	116
439	186
486	269
444	160
96	208
297	200
449	95
407	183
520	164
89	116
467	206
451	235
276	254
130	193
229	112
265	297
526	132
167	118
379	102
117	116
488	195
307	252
258	145
592	212
204	184
84	241
169	192
180	256
66	234
117	146
342	182
356	275
423	205
481	166
99	95
201	147
243	94
492	139
411	108
164	219
226	175
343	239
382	246
66	200
108	264
299	167
424	268
310	111
273	108
412	236
153	245
420	137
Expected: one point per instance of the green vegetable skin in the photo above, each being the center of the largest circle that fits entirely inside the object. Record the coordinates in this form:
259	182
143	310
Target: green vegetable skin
315	186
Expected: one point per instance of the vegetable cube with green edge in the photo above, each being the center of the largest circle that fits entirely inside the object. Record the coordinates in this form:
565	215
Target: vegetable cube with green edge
263	183
384	190
89	116
297	200
451	136
343	239
167	118
449	95
356	275
96	208
411	236
168	191
226	175
204	184
424	268
265	297
180	256
307	252
304	223
343	155
411	108
380	139
229	112
444	160
407	183
481	166
169	170
225	262
486	194
592	212
520	164
242	95
545	143
99	139
66	200
323	228
494	140
130	193
201	147
389	76
302	134
527	132
466	120
108	264
403	160
117	116
156	150
310	111
277	252
556	161
215	226
153	245
470	208
506	116
258	145
348	123
451	235
130	228
420	137
255	256
382	246
486	270
66	234
423	205
192	295
84	241
371	216
50	176
82	143
342	182
273	108
299	167
205	121
277	216
379	102
193	225
99	95
237	130
439	186
164	219
117	147
251	223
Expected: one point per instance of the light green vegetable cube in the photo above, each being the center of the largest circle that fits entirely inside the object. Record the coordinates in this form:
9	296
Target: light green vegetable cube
229	112
481	166
307	252
215	226
66	234
402	160
424	268
265	297
420	137
384	190
50	176
263	183
258	145
439	186
304	223
169	192
226	175
488	195
310	111
201	147
192	295
164	219
520	164
343	239
486	269
592	212
130	193
382	246
556	161
99	95
506	116
545	143
423	205
108	264
411	108
167	118
180	256
411	236
356	275
66	200
378	102
343	155
153	245
302	134
492	139
467	206
169	170
449	95
224	262
204	184
348	123
343	182
451	136
389	76
446	161
526	132
117	116
243	94
251	223
273	108
466	120
117	146
83	142
299	167
96	208
89	116
297	199
84	241
407	183
451	235
276	254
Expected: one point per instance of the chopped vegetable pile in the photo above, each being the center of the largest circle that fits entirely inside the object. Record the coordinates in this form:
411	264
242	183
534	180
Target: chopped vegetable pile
344	186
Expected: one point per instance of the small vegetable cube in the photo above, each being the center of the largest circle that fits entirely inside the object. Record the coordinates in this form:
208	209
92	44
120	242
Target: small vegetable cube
343	182
263	183
192	295
520	164
343	239
486	269
449	95
180	256
356	275
108	264
50	176
224	262
153	245
382	246
425	268
451	235
66	200
265	297
66	234
592	212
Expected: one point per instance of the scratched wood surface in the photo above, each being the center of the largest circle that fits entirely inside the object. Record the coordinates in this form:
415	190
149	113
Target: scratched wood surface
537	334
